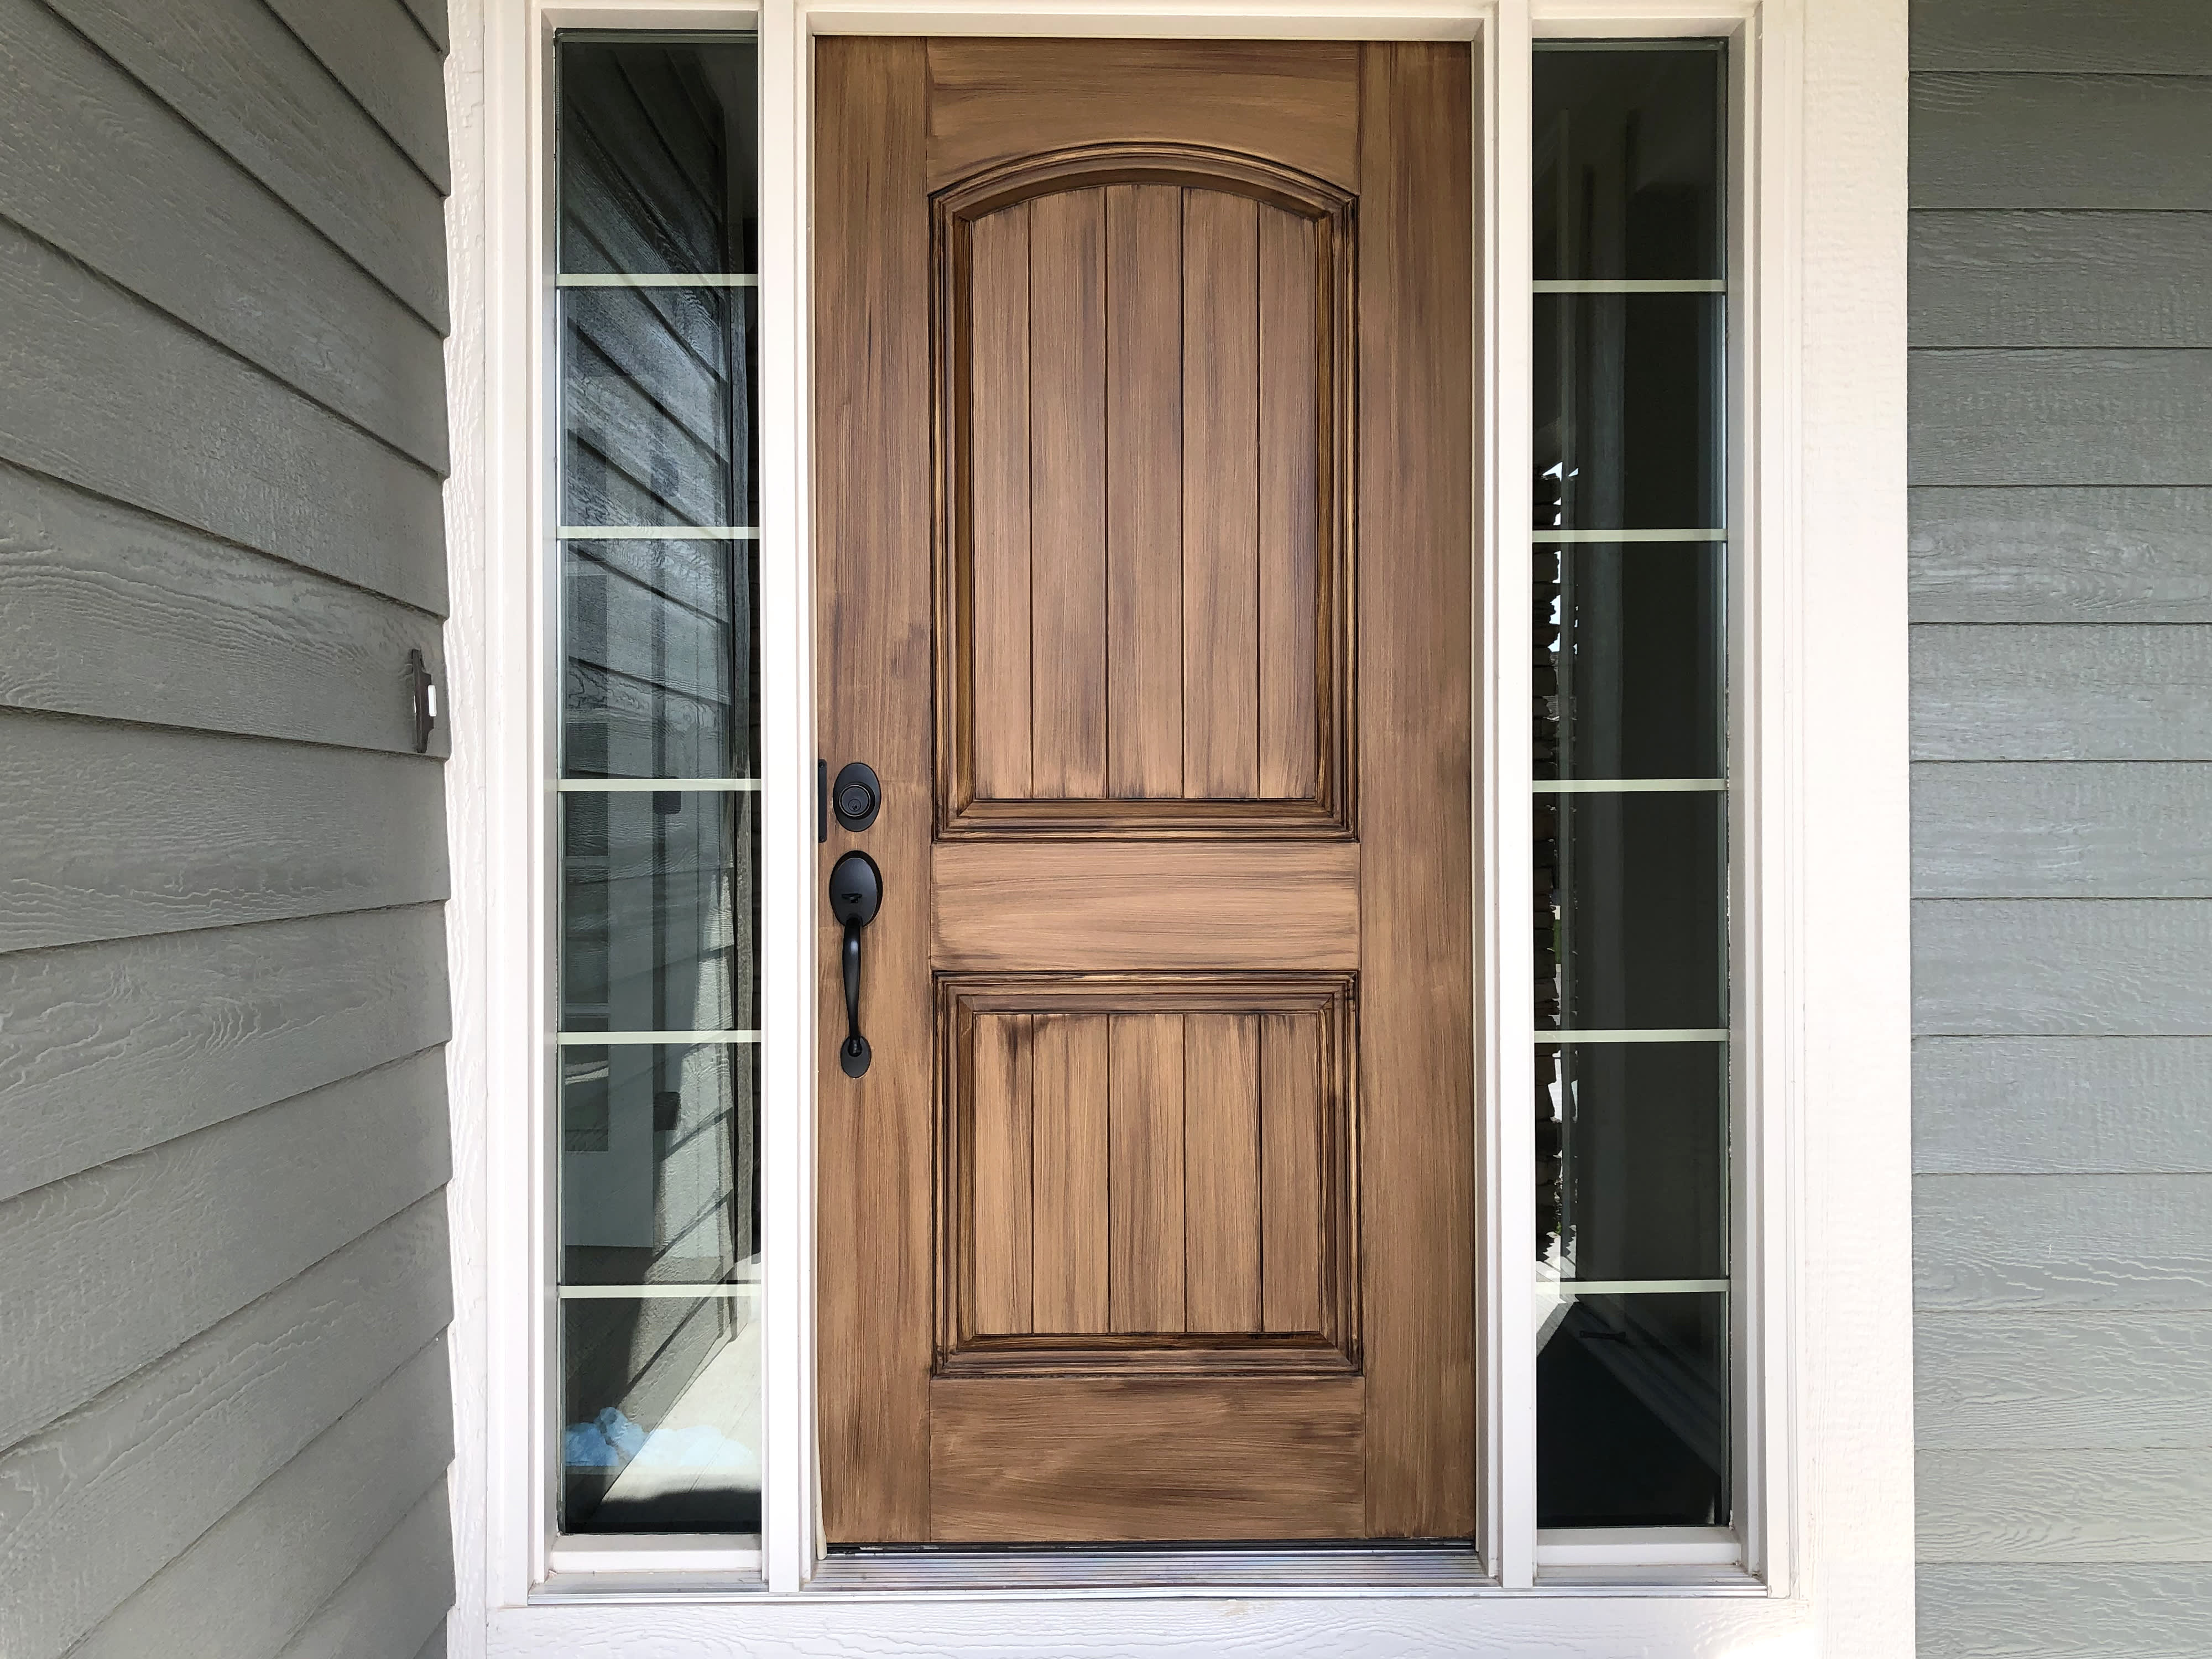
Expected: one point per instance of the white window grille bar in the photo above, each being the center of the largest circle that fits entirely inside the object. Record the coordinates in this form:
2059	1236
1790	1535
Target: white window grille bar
656	786
658	532
1627	786
722	1289
1567	1287
1656	1034
670	1039
1630	285
656	279
1544	536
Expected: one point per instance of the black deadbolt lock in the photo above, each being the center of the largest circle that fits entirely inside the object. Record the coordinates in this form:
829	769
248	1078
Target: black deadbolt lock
857	796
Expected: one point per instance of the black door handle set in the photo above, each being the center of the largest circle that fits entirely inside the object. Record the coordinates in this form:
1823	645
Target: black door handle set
856	893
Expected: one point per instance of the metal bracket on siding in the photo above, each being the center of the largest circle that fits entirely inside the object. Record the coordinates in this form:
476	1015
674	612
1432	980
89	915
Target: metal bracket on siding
425	689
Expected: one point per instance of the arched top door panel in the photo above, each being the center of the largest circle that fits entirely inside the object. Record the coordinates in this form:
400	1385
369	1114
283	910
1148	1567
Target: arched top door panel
1143	541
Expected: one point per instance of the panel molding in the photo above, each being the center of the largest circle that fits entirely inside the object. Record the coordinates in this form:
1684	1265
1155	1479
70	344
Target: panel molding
1330	809
1332	1350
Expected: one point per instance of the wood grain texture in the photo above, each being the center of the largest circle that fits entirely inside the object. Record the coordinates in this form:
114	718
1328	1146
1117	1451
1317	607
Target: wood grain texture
1100	906
99	389
2026	692
101	1500
1143	497
218	638
1071	1131
2062	968
111	831
1221	491
1221	1138
2143	829
2060	279
1145	1175
236	72
2145	36
2061	556
1242	1458
876	1232
1292	1213
110	1269
2061	141
1067	494
2078	1105
999	482
1417	1081
2062	1380
321	1516
2063	1611
399	1595
1291	393
111	1048
2047	1243
2048	1505
1295	102
2060	418
178	226
1003	1172
391	69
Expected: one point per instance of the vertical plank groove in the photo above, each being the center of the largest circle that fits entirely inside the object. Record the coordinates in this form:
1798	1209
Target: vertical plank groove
1220	488
1144	483
1000	1220
1291	1218
1067	494
999	485
1290	504
1221	1133
1069	1136
1148	1175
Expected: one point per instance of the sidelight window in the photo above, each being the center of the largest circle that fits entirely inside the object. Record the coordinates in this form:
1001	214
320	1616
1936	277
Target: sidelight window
659	1260
1630	790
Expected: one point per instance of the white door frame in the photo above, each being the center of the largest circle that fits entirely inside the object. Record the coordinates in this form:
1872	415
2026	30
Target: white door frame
1823	1205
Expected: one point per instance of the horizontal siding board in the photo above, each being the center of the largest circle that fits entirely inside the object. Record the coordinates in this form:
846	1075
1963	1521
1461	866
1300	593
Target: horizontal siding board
321	1516
218	638
2099	416
99	388
2061	141
2118	1610
2142	37
237	74
92	1507
110	1269
94	164
2049	1506
2061	556
398	1598
2062	967
2063	1380
2083	831
107	1049
2027	692
2053	1241
373	49
431	14
436	1646
115	831
2072	1105
2061	279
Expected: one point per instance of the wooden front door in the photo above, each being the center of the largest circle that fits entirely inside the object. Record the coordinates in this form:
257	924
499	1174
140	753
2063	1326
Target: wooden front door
1144	441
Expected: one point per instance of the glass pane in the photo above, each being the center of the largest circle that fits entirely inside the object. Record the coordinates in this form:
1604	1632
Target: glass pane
1642	923
660	1163
1632	1412
660	911
1632	685
1627	391
657	393
658	148
1639	1131
662	1429
1628	143
659	639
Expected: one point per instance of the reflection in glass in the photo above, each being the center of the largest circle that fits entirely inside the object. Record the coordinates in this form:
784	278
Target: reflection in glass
1627	149
1642	922
1631	1424
1642	1129
1627	402
1630	684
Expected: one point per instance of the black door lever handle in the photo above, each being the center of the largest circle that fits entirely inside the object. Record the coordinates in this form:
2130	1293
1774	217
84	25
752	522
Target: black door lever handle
856	893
